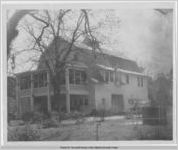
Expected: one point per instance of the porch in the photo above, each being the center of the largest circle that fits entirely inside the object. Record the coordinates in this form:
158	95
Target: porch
40	103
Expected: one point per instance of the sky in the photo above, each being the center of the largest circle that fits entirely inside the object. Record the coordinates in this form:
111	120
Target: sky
143	35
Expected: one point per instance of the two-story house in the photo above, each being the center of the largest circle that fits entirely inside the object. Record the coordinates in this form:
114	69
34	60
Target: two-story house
89	82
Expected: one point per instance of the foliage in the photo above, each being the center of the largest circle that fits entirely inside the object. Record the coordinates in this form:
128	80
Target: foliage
28	116
156	133
160	90
72	115
26	133
50	123
51	119
11	116
37	117
160	93
101	113
33	117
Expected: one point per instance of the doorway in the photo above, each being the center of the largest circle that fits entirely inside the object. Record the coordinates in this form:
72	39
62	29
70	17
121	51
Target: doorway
117	103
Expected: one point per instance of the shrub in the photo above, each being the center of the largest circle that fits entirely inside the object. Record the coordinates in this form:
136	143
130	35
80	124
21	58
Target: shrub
33	117
71	115
50	123
156	133
37	117
11	116
98	113
51	119
26	133
55	115
28	116
93	112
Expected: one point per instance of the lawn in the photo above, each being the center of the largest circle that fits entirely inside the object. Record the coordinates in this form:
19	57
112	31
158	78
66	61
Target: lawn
109	130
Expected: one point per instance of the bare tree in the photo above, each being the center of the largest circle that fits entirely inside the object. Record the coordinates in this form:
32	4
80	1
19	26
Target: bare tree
50	30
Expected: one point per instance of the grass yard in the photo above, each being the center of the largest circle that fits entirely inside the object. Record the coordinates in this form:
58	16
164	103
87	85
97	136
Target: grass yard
109	130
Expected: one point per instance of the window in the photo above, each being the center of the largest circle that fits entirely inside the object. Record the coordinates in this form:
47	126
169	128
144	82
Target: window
127	78
111	76
83	77
77	76
25	104
40	79
78	101
71	76
103	101
25	82
62	77
86	101
140	81
107	76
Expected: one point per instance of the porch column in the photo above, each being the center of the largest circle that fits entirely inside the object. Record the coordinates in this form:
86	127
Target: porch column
48	93
32	93
67	90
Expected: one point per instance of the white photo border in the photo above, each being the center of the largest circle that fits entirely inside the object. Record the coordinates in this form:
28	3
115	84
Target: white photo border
84	4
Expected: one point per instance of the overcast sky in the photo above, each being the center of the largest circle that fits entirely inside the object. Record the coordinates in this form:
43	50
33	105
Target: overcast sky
143	35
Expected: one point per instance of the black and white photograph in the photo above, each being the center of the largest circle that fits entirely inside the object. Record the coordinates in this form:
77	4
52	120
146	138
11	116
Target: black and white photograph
89	74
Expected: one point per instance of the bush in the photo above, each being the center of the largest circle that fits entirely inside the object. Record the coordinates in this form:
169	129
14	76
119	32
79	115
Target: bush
37	117
26	133
11	116
55	115
93	112
33	117
99	113
51	119
28	116
50	123
154	133
71	115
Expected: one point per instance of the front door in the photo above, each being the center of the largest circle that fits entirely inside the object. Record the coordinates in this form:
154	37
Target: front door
117	103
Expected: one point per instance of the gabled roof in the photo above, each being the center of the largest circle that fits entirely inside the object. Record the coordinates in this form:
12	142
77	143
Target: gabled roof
109	60
101	58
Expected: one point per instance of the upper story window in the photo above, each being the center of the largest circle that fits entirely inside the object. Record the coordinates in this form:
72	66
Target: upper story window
127	78
111	76
77	76
40	79
25	82
108	76
140	81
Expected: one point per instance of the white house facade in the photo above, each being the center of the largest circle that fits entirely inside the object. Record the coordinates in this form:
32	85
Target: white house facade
106	82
